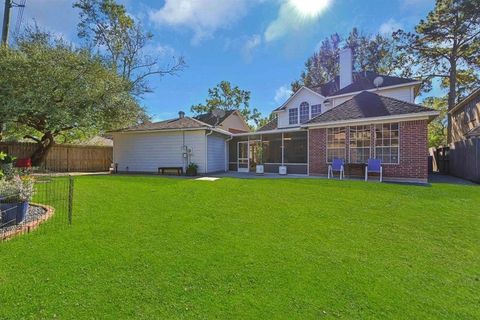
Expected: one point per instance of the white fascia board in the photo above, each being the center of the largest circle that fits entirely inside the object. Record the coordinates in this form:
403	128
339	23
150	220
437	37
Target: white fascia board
256	133
376	89
405	117
173	130
293	95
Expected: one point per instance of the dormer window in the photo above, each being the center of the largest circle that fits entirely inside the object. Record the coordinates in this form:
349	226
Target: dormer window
304	112
293	116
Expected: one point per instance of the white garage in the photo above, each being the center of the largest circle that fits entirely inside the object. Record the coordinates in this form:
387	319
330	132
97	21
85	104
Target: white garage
171	143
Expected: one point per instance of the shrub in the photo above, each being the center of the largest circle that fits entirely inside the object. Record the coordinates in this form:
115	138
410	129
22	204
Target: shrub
192	169
17	189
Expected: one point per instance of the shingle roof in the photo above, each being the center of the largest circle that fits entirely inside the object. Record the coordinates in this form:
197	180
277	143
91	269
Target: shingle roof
177	123
362	81
210	119
272	125
368	105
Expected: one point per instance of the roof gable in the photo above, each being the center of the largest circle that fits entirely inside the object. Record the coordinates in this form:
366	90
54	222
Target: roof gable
296	94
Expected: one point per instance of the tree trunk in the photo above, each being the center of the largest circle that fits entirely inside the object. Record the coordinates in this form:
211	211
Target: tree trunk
452	93
43	147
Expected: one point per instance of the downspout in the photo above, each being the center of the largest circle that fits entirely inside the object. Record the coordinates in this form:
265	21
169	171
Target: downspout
227	162
206	150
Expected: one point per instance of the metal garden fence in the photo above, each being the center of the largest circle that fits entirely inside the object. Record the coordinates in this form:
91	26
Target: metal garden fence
51	208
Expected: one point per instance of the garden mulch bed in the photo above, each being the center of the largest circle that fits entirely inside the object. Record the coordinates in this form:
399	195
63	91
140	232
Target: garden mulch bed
36	214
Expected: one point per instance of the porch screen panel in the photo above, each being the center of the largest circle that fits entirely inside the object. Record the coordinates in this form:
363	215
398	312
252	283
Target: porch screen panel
272	148
295	147
387	142
335	143
359	144
232	150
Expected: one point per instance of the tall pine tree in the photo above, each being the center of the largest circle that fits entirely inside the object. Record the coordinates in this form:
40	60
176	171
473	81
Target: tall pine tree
447	46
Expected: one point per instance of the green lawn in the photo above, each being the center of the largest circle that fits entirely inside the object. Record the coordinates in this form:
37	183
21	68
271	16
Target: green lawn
150	247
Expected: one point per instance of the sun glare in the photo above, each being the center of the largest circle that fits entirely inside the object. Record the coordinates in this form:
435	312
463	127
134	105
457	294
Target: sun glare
310	8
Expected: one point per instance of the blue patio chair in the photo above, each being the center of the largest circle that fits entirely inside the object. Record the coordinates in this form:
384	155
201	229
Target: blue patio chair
374	166
336	166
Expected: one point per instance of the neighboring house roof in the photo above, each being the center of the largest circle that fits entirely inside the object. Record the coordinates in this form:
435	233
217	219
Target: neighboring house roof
98	141
368	105
273	124
469	98
185	123
361	81
212	120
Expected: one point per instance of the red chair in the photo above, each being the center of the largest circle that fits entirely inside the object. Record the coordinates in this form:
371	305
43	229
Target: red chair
23	163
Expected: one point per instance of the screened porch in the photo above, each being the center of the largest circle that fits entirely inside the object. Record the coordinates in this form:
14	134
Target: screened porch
271	150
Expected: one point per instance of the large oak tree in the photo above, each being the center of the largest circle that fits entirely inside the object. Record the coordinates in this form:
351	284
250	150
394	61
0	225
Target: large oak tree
49	89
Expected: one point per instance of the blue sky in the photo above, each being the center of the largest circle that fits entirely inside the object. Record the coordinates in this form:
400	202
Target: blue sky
259	45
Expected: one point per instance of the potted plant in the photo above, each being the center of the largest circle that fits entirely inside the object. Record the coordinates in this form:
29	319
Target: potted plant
15	194
259	168
192	169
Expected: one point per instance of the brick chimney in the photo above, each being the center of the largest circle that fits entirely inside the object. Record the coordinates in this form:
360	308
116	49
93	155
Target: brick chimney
346	67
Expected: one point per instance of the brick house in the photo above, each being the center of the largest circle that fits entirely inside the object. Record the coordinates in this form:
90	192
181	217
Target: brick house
355	117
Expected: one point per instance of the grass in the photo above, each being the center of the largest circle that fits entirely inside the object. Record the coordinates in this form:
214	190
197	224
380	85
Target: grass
150	247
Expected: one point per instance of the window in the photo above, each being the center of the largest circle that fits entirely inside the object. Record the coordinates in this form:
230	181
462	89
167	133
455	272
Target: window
335	143
293	116
359	144
295	147
316	110
386	142
304	112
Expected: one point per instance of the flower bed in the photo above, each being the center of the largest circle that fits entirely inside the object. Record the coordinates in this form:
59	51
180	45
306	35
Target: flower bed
36	214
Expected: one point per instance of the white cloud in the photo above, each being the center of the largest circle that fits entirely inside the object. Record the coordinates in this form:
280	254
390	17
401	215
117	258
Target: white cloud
203	17
293	16
390	26
282	94
250	45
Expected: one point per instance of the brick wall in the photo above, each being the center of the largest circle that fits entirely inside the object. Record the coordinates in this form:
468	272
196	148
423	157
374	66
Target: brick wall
413	152
317	151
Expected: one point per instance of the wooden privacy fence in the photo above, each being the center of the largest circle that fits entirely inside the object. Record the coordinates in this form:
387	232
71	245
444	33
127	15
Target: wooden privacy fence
464	159
64	157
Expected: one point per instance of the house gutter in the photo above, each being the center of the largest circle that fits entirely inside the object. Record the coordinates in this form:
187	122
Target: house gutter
415	116
268	132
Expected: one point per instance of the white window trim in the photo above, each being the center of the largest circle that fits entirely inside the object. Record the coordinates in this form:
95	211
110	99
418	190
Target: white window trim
300	112
375	144
326	144
369	147
298	116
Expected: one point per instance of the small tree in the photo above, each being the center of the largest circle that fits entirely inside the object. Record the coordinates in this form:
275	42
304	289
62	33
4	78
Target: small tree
49	89
226	97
